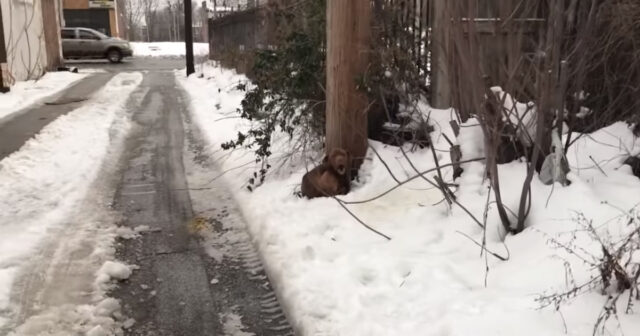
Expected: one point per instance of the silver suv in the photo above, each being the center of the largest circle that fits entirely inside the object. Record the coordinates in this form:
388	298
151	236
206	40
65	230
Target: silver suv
89	43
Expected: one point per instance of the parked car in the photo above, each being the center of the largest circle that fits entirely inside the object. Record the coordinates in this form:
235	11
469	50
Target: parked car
89	43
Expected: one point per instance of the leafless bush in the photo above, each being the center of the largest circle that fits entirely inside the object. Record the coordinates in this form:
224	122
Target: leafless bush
484	51
615	272
610	64
398	76
556	64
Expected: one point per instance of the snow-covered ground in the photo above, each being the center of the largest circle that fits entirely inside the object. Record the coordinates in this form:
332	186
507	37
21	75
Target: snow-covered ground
336	278
167	49
41	186
25	93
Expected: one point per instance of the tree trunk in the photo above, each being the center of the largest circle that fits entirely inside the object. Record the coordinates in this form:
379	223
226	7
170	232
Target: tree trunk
348	46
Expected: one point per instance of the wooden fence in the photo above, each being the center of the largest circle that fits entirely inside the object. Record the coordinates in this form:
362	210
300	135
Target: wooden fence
234	37
408	29
495	40
403	24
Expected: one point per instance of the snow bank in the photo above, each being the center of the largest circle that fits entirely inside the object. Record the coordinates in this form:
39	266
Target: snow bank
89	320
167	49
25	93
43	181
113	270
336	278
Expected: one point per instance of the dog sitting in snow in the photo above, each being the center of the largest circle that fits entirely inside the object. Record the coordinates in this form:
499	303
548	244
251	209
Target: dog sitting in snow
330	178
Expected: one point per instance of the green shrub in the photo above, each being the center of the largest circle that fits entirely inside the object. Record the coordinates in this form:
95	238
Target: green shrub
286	94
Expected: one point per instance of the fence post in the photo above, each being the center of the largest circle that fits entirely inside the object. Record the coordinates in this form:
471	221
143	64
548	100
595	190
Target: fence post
204	30
440	50
348	47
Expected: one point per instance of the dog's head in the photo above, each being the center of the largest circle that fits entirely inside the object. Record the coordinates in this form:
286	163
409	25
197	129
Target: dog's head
340	160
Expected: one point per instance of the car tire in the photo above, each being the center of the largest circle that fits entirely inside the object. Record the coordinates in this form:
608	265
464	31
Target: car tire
114	55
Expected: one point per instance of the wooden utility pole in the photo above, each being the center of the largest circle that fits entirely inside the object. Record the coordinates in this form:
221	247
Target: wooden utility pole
51	24
3	54
188	36
348	47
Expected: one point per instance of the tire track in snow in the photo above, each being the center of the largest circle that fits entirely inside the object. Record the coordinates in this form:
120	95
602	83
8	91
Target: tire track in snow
249	304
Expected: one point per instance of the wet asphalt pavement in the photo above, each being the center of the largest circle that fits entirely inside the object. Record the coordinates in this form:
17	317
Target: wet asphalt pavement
179	289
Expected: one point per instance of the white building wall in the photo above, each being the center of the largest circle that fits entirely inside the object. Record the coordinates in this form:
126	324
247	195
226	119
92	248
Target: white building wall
24	39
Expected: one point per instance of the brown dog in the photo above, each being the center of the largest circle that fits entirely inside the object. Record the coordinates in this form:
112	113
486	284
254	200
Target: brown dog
330	178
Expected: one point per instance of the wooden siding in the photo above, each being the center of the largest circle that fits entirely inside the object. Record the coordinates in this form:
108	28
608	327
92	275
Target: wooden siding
113	25
76	4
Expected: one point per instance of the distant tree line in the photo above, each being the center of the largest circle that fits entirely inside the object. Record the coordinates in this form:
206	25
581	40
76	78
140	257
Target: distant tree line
161	20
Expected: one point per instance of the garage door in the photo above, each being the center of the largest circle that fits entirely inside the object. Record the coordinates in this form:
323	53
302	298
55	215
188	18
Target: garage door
97	19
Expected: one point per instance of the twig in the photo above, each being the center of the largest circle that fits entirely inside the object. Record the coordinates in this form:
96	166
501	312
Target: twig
225	118
484	235
485	248
443	188
359	220
407	181
384	163
597	165
421	175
